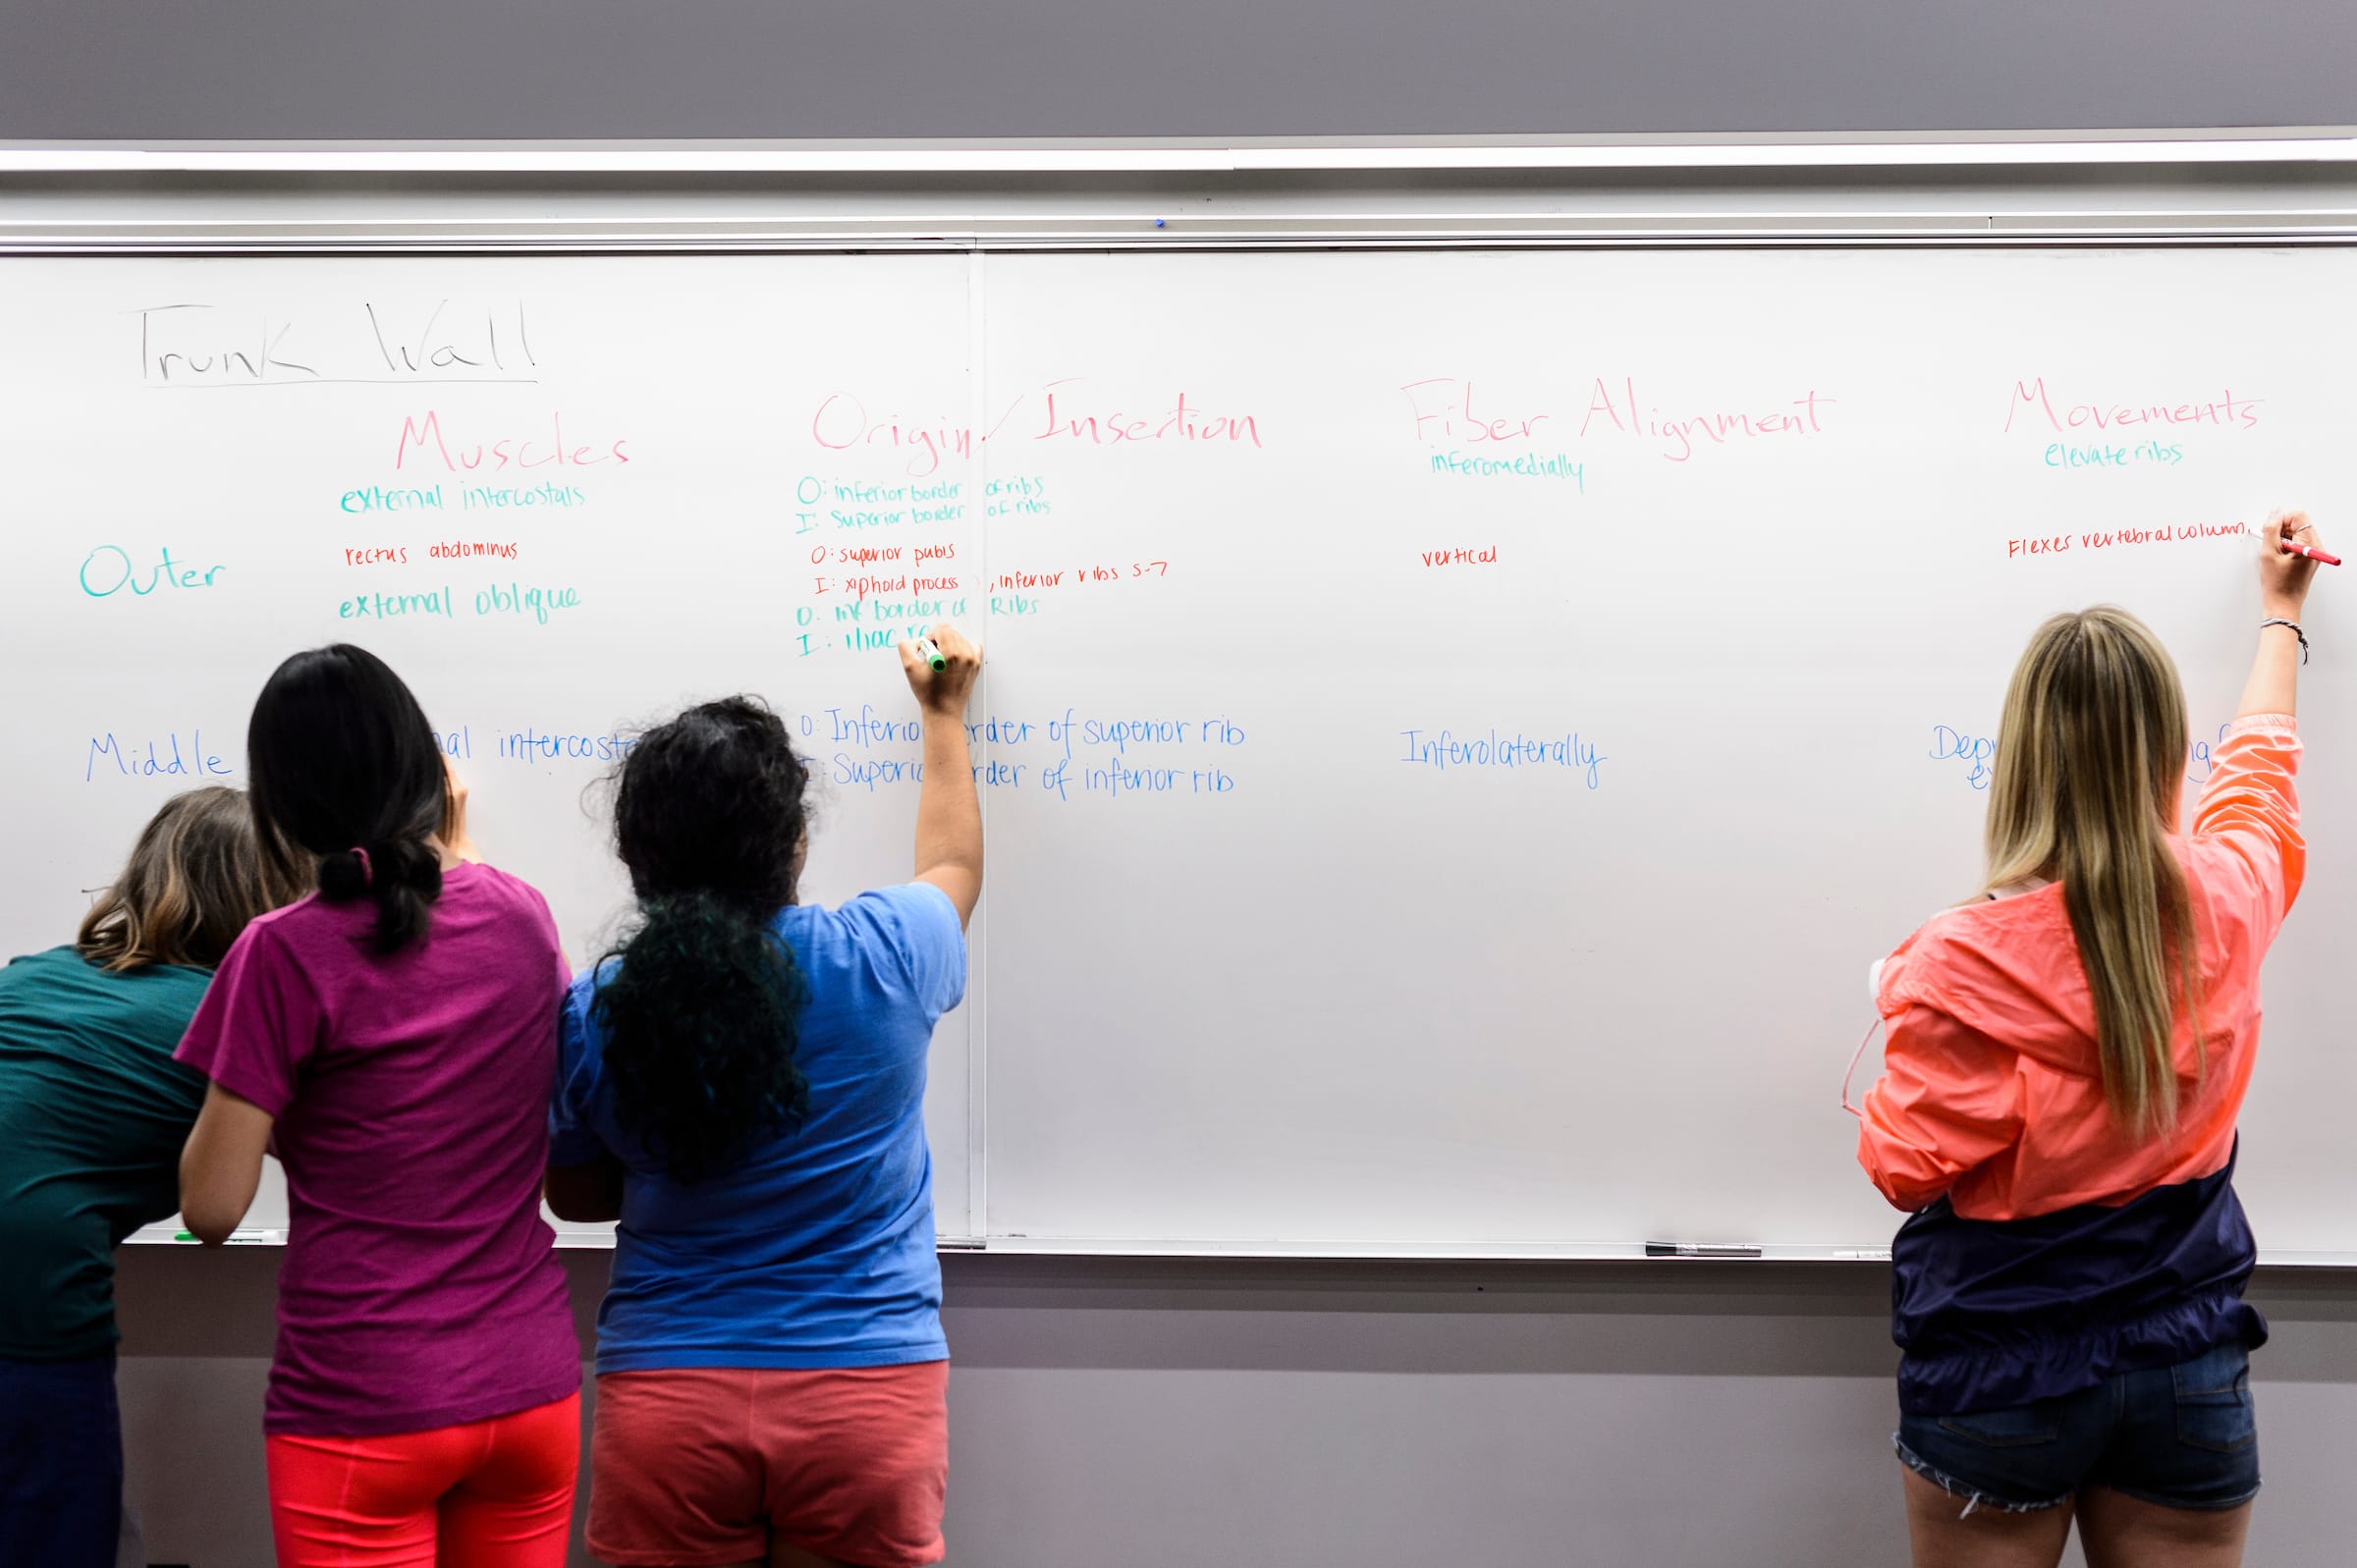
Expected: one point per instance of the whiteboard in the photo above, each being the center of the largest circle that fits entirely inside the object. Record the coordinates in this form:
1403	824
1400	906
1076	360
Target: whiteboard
616	430
1397	842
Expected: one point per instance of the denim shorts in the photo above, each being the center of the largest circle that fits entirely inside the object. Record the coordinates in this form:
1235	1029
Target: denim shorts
2182	1437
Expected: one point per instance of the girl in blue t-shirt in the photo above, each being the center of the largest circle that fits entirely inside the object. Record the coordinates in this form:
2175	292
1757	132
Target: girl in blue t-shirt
743	1086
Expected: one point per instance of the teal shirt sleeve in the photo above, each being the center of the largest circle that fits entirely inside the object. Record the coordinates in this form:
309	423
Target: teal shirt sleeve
157	1111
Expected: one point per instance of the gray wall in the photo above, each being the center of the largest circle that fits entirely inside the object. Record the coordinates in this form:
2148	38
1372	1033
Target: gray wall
609	69
1168	1415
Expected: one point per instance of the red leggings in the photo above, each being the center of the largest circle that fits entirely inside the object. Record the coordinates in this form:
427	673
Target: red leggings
487	1495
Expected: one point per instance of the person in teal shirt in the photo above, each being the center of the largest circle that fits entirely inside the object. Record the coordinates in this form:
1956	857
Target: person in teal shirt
94	1112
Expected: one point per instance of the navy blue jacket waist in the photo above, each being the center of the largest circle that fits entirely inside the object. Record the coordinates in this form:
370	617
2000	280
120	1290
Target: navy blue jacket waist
1997	1314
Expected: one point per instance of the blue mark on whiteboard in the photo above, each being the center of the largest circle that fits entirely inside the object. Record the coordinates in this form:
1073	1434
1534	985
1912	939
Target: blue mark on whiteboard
1976	754
1443	750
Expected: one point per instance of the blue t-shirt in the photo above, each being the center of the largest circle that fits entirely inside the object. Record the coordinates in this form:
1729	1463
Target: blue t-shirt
817	1251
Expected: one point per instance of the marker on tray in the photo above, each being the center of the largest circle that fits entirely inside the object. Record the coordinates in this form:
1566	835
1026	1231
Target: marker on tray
1701	1249
243	1236
930	654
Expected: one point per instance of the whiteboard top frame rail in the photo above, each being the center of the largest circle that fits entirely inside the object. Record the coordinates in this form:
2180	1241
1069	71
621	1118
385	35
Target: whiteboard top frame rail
1194	155
549	198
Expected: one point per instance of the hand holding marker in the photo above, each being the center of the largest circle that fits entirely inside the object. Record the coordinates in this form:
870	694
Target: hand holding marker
2293	548
941	668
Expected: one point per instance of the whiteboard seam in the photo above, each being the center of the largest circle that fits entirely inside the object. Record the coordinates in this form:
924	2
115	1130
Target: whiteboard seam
978	1048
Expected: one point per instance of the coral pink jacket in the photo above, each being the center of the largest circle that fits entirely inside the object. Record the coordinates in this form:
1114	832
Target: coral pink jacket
1993	1095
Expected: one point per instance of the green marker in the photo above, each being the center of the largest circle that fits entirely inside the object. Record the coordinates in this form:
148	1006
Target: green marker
931	655
251	1236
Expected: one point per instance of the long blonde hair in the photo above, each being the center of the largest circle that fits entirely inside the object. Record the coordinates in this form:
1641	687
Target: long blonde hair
2090	765
197	876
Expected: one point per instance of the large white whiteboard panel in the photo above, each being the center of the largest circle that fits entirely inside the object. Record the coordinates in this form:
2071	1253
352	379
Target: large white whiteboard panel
235	413
1261	544
1368	1001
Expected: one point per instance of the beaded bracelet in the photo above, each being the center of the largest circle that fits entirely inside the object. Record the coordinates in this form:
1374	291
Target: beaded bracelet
2278	620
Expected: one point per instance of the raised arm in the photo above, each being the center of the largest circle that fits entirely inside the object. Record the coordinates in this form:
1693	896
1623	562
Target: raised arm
454	839
2274	683
2251	804
949	810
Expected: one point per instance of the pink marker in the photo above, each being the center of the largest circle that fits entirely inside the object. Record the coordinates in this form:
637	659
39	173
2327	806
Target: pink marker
2311	553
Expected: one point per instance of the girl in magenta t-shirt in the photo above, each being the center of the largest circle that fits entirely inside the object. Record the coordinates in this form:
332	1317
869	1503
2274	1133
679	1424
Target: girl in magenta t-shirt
394	1038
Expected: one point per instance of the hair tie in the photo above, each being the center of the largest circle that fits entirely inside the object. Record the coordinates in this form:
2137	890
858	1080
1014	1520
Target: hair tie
368	872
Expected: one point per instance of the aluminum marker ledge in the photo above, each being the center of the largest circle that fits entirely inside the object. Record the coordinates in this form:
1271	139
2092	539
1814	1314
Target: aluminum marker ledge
576	1238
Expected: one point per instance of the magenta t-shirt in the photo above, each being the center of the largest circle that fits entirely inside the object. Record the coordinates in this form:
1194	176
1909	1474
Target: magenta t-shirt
419	1288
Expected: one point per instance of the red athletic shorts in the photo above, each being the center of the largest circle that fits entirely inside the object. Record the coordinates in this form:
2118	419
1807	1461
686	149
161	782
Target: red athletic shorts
488	1494
695	1467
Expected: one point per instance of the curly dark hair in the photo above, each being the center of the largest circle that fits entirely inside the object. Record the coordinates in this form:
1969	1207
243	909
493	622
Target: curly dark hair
700	1003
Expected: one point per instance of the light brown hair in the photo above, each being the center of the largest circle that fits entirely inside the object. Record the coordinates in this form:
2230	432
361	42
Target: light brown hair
2090	766
195	879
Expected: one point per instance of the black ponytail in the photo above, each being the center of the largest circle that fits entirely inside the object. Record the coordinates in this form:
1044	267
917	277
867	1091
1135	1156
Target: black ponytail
402	874
346	775
701	1005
